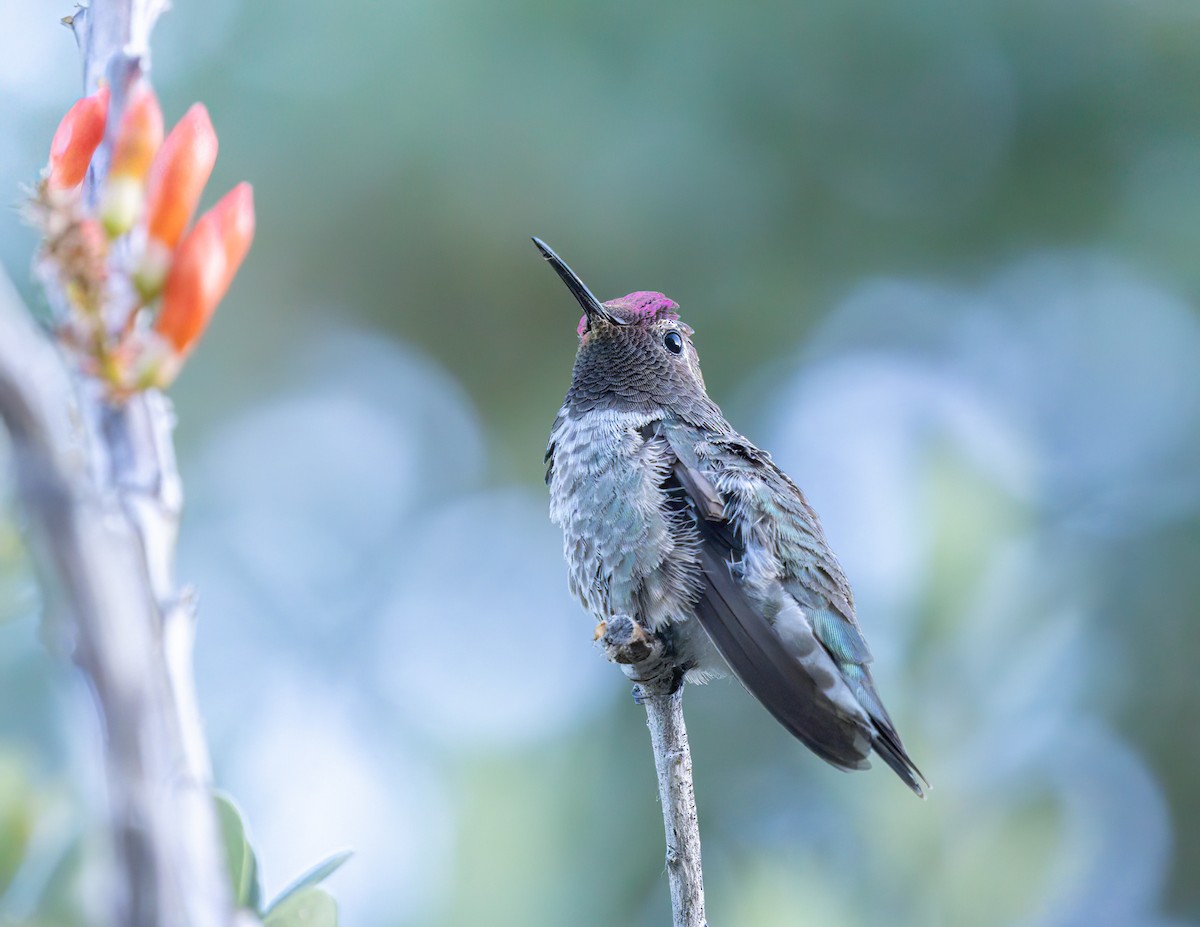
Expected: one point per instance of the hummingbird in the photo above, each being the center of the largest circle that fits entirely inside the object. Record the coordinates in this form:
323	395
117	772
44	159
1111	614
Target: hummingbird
674	519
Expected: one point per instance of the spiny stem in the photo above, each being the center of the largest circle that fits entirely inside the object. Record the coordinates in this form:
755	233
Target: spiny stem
102	492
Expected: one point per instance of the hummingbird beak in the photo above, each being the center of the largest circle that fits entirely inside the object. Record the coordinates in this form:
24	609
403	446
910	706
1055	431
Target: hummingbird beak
592	307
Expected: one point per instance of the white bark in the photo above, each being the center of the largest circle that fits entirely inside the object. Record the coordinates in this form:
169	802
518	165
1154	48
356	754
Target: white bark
99	484
645	661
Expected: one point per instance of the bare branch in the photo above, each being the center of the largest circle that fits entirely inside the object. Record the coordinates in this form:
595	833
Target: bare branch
659	687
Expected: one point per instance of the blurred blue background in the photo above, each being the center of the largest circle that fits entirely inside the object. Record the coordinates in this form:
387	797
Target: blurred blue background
940	259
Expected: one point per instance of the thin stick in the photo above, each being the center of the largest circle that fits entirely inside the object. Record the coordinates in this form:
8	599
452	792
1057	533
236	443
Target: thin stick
645	661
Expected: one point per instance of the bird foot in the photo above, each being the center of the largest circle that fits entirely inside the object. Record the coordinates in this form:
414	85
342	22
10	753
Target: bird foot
645	656
625	641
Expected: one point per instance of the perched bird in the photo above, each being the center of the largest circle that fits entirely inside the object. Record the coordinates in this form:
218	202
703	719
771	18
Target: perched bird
672	518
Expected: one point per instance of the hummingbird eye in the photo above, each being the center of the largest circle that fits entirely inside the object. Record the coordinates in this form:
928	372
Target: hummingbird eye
673	342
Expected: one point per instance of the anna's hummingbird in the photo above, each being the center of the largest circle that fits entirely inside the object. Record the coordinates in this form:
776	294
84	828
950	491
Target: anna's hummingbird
672	518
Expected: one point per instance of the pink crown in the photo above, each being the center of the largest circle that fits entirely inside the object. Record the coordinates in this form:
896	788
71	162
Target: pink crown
639	308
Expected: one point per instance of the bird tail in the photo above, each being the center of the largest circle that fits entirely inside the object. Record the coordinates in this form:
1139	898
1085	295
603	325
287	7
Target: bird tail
887	744
885	741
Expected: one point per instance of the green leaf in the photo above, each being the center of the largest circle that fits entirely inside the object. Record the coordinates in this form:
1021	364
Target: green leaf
59	898
18	807
306	907
243	865
318	873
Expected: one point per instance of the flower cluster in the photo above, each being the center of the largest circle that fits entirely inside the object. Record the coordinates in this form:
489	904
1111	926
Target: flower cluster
138	285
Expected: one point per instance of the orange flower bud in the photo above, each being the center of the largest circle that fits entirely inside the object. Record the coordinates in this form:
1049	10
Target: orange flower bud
235	213
195	284
140	135
204	266
137	141
177	178
178	175
76	140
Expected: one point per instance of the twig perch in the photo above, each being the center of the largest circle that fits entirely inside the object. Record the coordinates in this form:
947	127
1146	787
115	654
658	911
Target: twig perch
102	492
644	659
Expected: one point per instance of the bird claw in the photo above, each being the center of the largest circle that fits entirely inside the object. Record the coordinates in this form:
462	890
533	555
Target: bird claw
625	641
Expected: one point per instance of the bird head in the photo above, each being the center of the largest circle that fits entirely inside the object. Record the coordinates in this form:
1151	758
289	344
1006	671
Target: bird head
634	352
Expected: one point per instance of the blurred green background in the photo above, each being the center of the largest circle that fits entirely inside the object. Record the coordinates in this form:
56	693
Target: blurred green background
941	260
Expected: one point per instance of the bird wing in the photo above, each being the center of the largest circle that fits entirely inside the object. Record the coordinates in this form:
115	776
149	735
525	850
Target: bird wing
792	641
